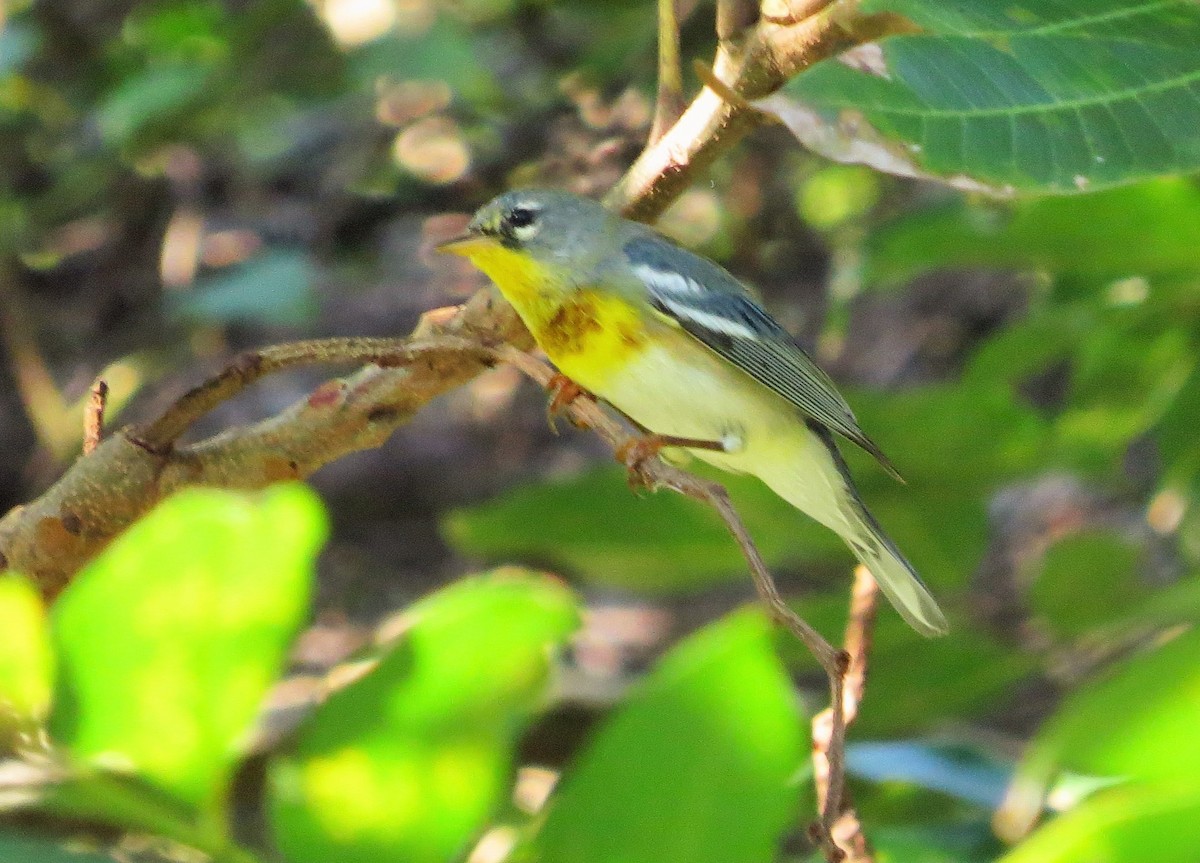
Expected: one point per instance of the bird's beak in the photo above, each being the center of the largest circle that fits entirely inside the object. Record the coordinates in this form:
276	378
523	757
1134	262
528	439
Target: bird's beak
466	244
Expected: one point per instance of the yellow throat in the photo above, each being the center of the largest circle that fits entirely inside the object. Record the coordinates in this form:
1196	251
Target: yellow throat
588	334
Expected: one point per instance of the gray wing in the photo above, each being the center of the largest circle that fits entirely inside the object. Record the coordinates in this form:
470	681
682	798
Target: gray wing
714	307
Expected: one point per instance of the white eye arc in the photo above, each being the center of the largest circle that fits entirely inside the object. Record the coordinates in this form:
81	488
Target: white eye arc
523	222
524	232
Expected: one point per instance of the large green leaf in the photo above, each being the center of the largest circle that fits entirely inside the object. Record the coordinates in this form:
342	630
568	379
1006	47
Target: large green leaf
698	764
26	660
168	642
1026	96
1135	824
408	762
1138	722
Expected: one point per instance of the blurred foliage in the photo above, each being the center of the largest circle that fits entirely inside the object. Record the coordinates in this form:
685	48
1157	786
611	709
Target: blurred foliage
181	169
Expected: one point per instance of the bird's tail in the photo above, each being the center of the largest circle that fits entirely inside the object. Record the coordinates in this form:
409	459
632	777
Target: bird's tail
814	478
895	575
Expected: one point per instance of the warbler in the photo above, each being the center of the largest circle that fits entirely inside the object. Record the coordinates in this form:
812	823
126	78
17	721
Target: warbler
678	345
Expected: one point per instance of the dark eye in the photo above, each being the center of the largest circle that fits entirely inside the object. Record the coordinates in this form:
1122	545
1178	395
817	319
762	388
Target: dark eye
521	217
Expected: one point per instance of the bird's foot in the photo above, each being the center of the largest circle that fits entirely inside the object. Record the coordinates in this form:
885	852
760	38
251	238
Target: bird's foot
563	392
637	452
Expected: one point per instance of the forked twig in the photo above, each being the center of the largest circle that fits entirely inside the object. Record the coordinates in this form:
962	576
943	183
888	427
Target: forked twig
839	821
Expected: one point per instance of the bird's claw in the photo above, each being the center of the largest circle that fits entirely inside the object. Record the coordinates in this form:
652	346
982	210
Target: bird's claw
635	454
563	393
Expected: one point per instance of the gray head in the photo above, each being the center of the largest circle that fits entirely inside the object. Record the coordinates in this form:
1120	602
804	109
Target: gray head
550	225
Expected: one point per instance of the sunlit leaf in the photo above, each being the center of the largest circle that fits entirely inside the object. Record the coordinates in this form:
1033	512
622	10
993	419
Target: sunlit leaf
168	641
696	765
26	661
1138	722
408	762
1133	824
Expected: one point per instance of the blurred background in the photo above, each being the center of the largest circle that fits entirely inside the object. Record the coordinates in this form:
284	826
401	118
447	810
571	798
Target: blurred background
180	180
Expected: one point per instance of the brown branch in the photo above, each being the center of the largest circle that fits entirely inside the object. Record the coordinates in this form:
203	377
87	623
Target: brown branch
839	830
93	415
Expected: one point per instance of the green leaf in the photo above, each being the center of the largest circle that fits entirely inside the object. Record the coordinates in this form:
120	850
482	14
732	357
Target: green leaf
23	848
698	763
1157	821
169	640
26	660
408	762
1024	97
1138	722
1151	229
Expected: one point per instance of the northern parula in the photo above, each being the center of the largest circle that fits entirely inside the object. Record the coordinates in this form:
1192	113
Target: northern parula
678	345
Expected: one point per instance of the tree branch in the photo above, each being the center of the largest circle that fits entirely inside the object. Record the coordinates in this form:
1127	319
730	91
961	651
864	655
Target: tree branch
104	492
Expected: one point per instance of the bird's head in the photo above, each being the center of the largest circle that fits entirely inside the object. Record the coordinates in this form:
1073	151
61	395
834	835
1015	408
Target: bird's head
541	227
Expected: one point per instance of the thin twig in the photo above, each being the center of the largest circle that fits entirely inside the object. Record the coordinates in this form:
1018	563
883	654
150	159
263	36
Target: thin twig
669	103
839	830
93	415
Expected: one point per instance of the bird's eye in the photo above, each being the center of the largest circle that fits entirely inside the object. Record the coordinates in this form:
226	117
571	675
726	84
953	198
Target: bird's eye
521	217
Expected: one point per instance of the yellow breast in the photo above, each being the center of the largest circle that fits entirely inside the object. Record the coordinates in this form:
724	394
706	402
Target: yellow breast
589	334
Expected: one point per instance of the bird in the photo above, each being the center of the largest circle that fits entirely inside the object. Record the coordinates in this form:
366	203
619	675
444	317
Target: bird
679	346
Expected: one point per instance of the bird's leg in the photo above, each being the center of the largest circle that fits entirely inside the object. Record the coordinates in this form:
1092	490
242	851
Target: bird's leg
563	391
635	452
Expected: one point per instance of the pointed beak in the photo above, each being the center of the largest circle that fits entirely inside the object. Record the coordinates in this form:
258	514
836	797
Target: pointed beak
466	244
